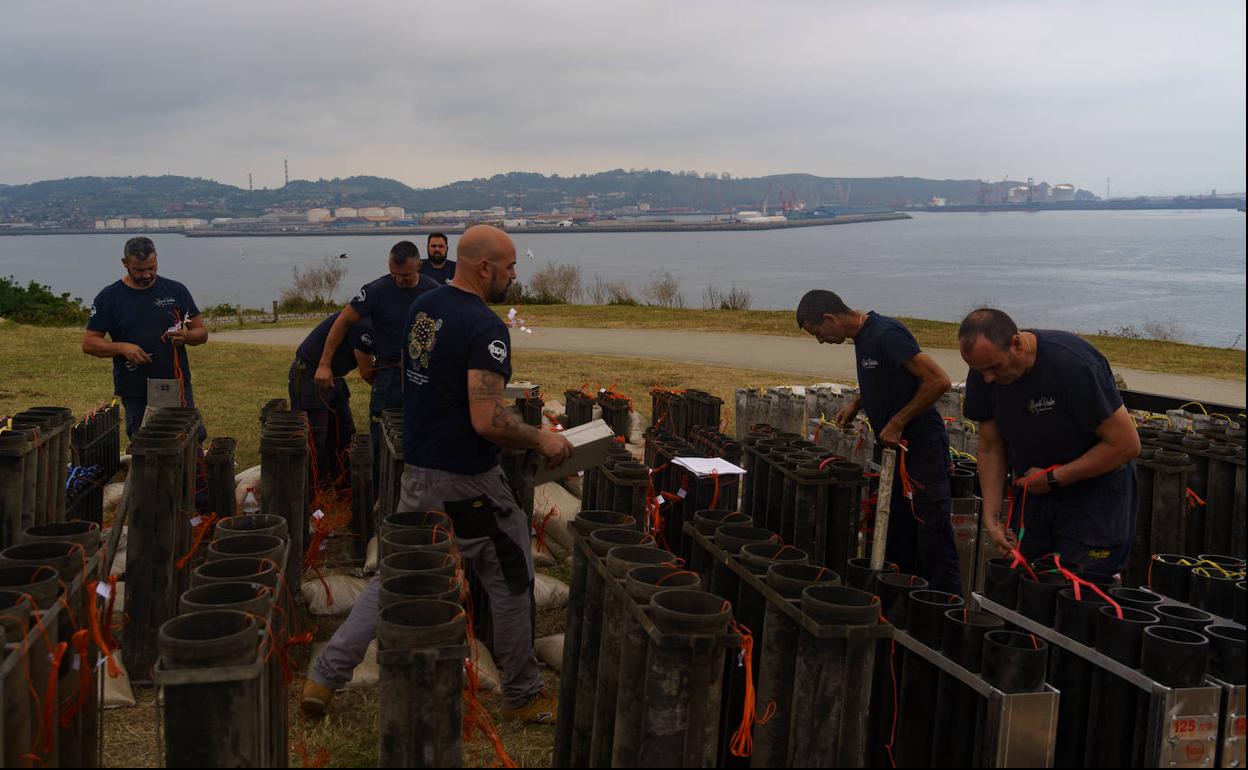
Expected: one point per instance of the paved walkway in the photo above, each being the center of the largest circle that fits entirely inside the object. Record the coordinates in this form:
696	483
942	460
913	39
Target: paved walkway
790	355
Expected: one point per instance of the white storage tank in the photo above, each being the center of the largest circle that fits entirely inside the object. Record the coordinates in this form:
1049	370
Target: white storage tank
346	213
396	212
372	212
319	215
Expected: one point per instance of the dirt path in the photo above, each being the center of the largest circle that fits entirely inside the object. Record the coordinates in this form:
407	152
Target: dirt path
802	357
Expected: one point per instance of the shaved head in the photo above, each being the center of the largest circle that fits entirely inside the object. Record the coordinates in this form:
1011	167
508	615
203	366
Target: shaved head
485	262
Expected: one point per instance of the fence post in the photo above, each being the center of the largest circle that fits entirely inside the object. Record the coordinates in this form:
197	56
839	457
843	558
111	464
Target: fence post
274	311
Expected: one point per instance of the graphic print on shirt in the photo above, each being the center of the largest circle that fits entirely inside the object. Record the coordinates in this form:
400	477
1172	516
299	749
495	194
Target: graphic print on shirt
1041	404
498	349
422	338
869	363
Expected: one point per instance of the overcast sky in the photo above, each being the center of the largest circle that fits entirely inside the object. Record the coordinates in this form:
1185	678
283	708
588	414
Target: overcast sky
1148	93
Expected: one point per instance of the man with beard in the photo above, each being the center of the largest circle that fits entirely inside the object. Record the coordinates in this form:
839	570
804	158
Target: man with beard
149	320
437	266
456	362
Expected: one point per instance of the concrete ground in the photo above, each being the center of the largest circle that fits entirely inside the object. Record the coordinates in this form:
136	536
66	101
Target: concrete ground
803	358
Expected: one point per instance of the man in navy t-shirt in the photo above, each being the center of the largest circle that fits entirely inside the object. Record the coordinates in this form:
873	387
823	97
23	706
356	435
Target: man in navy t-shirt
384	302
437	266
149	320
456	363
329	409
898	385
1050	413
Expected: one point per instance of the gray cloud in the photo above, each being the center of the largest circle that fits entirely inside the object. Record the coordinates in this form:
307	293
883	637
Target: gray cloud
1151	94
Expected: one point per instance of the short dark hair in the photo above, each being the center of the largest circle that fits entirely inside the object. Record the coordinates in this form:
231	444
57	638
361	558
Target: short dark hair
991	324
816	303
403	251
445	240
139	247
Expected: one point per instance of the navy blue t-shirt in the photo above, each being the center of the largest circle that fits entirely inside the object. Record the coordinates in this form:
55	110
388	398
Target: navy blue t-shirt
141	317
439	274
448	332
1050	415
359	337
882	347
386	305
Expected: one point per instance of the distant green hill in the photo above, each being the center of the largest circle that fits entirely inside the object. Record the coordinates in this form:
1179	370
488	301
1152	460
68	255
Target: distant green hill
81	199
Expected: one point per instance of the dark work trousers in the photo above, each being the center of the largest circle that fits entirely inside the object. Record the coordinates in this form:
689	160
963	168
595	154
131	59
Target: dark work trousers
1090	523
920	535
135	406
387	394
329	416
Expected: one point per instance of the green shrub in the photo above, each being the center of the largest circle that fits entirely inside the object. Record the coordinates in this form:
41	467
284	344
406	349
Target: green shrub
37	305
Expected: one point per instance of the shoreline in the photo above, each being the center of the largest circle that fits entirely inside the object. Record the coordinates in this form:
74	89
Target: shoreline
604	227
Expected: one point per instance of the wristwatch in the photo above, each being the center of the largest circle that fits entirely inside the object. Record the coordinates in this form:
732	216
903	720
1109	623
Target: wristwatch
1050	477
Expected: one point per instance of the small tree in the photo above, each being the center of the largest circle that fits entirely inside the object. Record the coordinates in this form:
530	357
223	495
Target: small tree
556	284
620	294
313	287
598	291
663	290
733	298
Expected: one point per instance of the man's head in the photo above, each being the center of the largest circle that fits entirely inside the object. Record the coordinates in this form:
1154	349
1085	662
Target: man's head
485	262
139	259
824	315
405	264
436	247
991	345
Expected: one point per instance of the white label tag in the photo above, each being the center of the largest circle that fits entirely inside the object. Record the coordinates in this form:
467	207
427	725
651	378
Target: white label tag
580	473
511	314
197	520
77	663
104	590
318	514
324	545
660	500
682	493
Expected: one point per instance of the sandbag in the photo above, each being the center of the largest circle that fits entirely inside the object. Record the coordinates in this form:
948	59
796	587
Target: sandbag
638	451
553	414
119	604
247	478
372	555
549	497
332	594
549	593
112	497
487	671
574	484
119	561
117	691
549	650
636	430
541	556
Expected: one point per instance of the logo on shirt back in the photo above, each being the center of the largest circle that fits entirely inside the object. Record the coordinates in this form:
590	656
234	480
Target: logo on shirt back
1040	405
869	363
422	338
498	350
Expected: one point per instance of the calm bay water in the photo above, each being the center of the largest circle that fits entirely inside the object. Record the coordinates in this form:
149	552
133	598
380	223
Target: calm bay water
1083	271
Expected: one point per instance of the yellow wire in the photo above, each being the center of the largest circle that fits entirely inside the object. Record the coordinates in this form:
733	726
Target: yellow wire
1195	403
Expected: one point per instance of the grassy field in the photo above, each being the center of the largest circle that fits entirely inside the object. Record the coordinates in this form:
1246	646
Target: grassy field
1150	355
42	366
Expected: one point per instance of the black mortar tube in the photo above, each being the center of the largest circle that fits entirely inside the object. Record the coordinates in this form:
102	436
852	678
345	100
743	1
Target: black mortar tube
962	641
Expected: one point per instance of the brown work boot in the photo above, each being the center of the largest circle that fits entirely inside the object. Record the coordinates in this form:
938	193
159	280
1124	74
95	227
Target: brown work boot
316	697
541	709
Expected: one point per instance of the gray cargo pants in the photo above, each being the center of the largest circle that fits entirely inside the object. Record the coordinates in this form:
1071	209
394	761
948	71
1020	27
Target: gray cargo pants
490	531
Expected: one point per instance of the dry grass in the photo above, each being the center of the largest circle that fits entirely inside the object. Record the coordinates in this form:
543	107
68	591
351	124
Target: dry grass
1150	355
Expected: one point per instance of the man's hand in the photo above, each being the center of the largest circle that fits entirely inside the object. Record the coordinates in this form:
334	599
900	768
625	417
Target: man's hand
999	536
133	353
324	377
555	448
891	435
1034	481
178	338
847	414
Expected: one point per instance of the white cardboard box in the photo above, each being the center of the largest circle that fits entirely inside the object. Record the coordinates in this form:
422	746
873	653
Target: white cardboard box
590	443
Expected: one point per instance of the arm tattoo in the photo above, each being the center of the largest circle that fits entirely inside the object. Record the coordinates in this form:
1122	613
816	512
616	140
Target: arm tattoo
488	387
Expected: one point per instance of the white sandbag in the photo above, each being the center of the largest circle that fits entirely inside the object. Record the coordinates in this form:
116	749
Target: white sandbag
575	485
112	497
487	671
244	479
552	496
549	650
541	556
333	595
636	429
119	562
638	451
365	675
119	604
549	593
117	691
553	414
372	555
